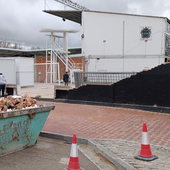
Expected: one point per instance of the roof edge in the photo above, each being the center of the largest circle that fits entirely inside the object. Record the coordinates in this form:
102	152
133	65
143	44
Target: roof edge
128	14
112	13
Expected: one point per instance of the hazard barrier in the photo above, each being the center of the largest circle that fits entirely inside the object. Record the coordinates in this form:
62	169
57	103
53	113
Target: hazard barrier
74	160
145	152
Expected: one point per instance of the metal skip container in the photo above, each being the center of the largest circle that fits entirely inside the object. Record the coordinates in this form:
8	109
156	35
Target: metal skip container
19	129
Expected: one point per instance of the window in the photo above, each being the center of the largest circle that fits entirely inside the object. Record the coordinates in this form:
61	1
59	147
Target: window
168	28
167	46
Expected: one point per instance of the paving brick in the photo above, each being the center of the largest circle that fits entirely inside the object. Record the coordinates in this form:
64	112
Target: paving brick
88	121
121	127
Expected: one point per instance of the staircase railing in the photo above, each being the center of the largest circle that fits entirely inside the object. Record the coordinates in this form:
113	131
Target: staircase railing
64	57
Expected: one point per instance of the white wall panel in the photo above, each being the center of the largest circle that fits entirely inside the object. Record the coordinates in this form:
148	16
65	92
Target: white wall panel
103	34
25	71
120	65
8	68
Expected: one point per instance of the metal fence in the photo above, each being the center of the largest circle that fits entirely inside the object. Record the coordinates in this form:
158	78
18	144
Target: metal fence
81	78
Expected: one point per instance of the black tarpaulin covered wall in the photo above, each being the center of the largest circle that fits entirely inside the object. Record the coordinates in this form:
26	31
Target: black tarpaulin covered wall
150	87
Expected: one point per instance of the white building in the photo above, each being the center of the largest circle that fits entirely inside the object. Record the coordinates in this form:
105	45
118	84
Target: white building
18	70
115	42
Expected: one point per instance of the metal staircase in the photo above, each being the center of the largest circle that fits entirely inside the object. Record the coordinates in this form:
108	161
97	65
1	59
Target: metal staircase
65	59
55	51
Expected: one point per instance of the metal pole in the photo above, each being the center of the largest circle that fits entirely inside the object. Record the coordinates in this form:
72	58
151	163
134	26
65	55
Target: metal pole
123	43
44	4
54	61
162	42
66	48
35	68
104	41
58	73
51	58
46	60
145	48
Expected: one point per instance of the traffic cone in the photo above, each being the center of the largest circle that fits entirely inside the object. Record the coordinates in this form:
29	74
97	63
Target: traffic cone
145	152
74	160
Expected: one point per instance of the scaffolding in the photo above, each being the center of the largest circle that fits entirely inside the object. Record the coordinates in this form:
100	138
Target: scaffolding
72	4
55	52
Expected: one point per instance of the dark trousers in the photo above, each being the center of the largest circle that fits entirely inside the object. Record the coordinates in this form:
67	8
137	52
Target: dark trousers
66	83
2	87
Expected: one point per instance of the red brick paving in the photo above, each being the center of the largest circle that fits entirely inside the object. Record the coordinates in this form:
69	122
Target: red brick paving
103	122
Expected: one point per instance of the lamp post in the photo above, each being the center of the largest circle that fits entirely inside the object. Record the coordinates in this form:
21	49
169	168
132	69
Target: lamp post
104	41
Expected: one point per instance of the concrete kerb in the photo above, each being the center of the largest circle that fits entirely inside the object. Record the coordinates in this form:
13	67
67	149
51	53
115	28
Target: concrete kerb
158	109
119	163
66	138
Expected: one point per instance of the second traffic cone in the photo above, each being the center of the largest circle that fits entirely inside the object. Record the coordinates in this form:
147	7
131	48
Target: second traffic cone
145	152
74	160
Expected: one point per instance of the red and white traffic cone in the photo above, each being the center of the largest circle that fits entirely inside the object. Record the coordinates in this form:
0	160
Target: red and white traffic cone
74	160
145	152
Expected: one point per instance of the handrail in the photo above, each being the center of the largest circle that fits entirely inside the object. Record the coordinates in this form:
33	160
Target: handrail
59	47
63	56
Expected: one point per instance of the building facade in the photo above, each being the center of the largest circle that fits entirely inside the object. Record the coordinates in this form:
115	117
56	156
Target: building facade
116	42
122	43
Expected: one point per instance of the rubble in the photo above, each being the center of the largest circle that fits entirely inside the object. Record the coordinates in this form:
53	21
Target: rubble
16	102
38	96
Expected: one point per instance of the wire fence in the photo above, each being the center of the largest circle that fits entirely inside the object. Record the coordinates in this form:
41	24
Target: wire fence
81	78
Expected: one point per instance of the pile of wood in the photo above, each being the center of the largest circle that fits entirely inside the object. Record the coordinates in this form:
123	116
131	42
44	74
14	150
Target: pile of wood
16	103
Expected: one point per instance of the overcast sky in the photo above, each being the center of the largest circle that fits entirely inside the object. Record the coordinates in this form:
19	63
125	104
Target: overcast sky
22	20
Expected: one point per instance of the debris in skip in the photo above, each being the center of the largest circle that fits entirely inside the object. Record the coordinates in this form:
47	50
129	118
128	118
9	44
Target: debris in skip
16	102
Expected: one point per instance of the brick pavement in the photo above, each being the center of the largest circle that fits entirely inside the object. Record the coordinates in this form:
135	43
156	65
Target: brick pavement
101	122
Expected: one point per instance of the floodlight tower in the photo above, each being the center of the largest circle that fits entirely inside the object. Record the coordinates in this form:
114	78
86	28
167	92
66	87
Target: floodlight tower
72	5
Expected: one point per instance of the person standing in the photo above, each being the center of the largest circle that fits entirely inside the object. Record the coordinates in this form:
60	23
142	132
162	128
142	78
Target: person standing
65	78
2	83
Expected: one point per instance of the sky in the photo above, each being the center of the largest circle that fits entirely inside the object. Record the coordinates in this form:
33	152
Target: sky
22	20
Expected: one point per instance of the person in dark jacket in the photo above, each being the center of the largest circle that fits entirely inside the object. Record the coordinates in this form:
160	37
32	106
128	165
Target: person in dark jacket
2	83
65	78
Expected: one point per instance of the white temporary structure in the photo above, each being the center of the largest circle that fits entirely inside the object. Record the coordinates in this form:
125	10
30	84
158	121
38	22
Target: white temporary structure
8	68
117	42
18	70
122	42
